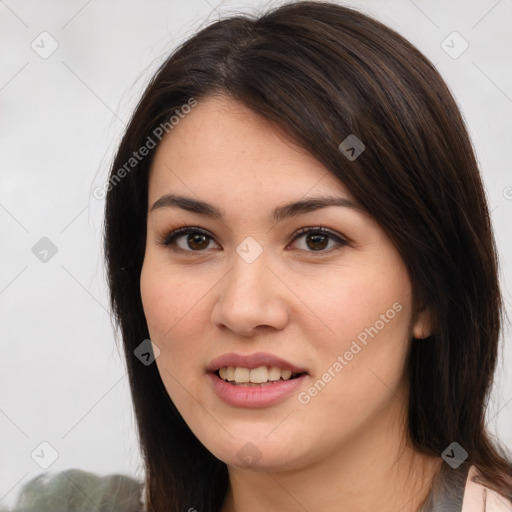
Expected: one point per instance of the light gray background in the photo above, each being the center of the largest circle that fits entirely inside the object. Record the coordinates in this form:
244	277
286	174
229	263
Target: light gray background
63	380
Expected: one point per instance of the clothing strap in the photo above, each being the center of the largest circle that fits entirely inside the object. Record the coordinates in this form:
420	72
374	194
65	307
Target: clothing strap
447	490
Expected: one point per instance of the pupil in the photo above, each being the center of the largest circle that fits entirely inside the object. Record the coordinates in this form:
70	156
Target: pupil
197	241
319	241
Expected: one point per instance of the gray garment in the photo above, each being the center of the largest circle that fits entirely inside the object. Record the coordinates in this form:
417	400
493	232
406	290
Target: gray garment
75	490
447	490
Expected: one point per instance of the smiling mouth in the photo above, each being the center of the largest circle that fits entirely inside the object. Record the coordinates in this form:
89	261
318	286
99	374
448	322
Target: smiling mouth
261	376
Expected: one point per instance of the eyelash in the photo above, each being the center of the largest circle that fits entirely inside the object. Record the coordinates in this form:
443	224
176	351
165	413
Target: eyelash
169	238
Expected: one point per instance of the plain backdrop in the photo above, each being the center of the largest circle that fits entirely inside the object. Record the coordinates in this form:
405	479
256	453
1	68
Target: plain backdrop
62	376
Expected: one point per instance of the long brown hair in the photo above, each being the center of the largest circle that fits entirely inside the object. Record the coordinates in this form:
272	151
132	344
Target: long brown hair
321	72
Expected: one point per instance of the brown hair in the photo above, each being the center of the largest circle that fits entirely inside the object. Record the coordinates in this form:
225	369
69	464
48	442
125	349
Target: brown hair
322	72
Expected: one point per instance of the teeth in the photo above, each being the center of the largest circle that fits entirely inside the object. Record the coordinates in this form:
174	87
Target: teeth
260	375
274	373
242	374
286	374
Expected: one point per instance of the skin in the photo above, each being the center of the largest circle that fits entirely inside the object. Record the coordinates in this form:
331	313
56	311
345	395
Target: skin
346	449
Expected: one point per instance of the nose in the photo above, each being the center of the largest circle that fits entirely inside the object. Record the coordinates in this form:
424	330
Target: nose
250	299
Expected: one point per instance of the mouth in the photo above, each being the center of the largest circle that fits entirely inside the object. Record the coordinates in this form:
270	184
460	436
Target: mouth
260	376
255	380
255	394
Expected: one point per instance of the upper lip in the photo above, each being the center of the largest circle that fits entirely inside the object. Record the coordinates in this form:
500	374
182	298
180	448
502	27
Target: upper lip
252	361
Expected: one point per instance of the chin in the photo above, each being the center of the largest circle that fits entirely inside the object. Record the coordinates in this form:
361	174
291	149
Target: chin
258	454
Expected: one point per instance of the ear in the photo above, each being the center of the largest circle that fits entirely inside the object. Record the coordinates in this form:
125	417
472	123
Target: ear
422	327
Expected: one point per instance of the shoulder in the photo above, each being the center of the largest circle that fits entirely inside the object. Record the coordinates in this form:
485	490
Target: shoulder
75	490
479	498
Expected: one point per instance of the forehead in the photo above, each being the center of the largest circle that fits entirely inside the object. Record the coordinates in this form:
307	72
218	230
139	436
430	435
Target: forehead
222	146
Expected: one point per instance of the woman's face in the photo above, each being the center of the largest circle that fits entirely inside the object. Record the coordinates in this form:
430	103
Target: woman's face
251	286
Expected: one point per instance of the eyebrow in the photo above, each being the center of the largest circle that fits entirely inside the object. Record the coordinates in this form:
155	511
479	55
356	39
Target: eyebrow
280	213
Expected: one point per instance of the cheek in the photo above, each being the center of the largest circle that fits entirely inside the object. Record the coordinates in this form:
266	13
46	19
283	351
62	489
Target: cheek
175	307
167	295
176	312
354	301
363	354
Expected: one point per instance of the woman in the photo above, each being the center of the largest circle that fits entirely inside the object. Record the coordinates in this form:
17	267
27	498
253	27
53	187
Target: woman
296	220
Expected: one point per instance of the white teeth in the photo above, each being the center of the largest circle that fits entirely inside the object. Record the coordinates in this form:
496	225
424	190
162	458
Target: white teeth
242	374
286	374
260	375
274	373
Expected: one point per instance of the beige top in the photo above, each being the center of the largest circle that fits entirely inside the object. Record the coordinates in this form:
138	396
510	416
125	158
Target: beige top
478	498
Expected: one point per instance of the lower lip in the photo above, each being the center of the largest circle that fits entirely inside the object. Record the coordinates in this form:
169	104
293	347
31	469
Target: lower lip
254	396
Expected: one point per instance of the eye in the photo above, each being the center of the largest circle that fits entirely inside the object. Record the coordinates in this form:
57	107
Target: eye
188	239
319	239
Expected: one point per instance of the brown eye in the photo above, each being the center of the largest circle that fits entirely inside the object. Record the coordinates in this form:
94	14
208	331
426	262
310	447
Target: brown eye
188	239
197	242
320	240
317	242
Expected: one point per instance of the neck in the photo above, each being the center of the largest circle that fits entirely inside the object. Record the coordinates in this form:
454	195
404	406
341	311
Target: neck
376	470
